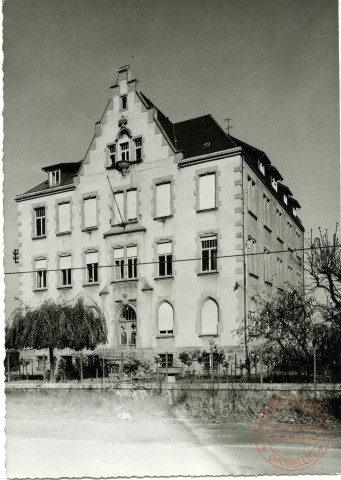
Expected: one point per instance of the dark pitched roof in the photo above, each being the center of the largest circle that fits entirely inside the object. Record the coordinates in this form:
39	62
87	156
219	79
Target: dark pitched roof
253	153
201	136
70	167
68	171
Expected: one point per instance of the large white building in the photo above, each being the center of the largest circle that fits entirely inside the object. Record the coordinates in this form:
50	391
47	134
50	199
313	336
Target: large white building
154	225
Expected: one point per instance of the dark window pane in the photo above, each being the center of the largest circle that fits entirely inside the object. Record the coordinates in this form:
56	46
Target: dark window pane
205	260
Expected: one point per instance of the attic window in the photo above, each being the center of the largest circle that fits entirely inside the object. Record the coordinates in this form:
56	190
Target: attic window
285	199
124	102
261	167
274	183
54	178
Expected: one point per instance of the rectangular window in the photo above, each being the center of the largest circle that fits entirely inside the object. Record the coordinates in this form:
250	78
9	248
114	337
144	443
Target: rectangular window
166	359
279	272
124	102
290	279
64	217
251	195
119	208
298	240
54	178
267	211
131	205
163	200
119	263
164	253
125	151
279	224
65	270
41	273
138	149
298	279
285	199
132	261
112	153
40	222
90	212
40	363
91	260
289	235
207	191
209	254
267	269
251	257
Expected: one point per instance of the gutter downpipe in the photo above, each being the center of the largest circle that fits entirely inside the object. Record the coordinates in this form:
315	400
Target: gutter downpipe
246	353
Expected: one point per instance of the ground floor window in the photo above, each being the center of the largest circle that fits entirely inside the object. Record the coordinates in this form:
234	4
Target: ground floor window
166	360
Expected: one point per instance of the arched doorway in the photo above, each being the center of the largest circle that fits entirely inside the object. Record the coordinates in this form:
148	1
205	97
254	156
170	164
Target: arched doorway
127	326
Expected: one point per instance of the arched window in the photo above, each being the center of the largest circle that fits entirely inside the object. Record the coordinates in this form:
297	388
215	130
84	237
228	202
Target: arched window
165	318
209	317
124	148
127	314
123	338
133	338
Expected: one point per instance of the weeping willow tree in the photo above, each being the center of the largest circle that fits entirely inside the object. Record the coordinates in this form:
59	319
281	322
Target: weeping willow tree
52	325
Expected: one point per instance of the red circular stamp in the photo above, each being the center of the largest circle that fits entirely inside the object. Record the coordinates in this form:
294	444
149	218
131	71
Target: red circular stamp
292	432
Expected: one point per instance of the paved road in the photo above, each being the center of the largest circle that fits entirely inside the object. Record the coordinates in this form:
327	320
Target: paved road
125	447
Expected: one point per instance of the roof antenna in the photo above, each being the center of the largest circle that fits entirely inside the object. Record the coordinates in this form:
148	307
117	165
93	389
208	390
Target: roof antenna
228	125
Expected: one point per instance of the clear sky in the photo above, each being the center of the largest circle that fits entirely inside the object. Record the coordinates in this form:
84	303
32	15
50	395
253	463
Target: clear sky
270	65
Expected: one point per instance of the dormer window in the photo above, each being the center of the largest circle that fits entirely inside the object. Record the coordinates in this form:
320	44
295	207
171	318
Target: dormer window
261	167
124	102
294	211
285	199
54	178
274	183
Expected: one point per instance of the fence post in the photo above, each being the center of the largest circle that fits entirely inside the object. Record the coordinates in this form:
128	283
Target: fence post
166	367
212	374
96	375
261	365
44	368
122	372
8	367
103	369
315	371
81	365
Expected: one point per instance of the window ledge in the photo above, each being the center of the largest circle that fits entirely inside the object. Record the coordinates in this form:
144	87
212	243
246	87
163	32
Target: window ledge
207	210
64	287
59	234
39	289
39	237
267	228
89	229
164	277
209	335
268	283
166	335
215	272
253	275
92	284
253	214
280	240
162	219
128	222
125	280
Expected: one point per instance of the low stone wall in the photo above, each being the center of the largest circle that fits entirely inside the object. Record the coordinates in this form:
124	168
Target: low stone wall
269	387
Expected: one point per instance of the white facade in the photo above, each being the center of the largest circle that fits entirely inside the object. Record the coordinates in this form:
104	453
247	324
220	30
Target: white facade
147	231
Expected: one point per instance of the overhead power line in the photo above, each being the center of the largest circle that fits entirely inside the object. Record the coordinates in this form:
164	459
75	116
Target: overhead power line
156	262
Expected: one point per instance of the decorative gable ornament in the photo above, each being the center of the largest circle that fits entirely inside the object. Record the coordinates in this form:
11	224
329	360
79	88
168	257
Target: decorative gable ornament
122	121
